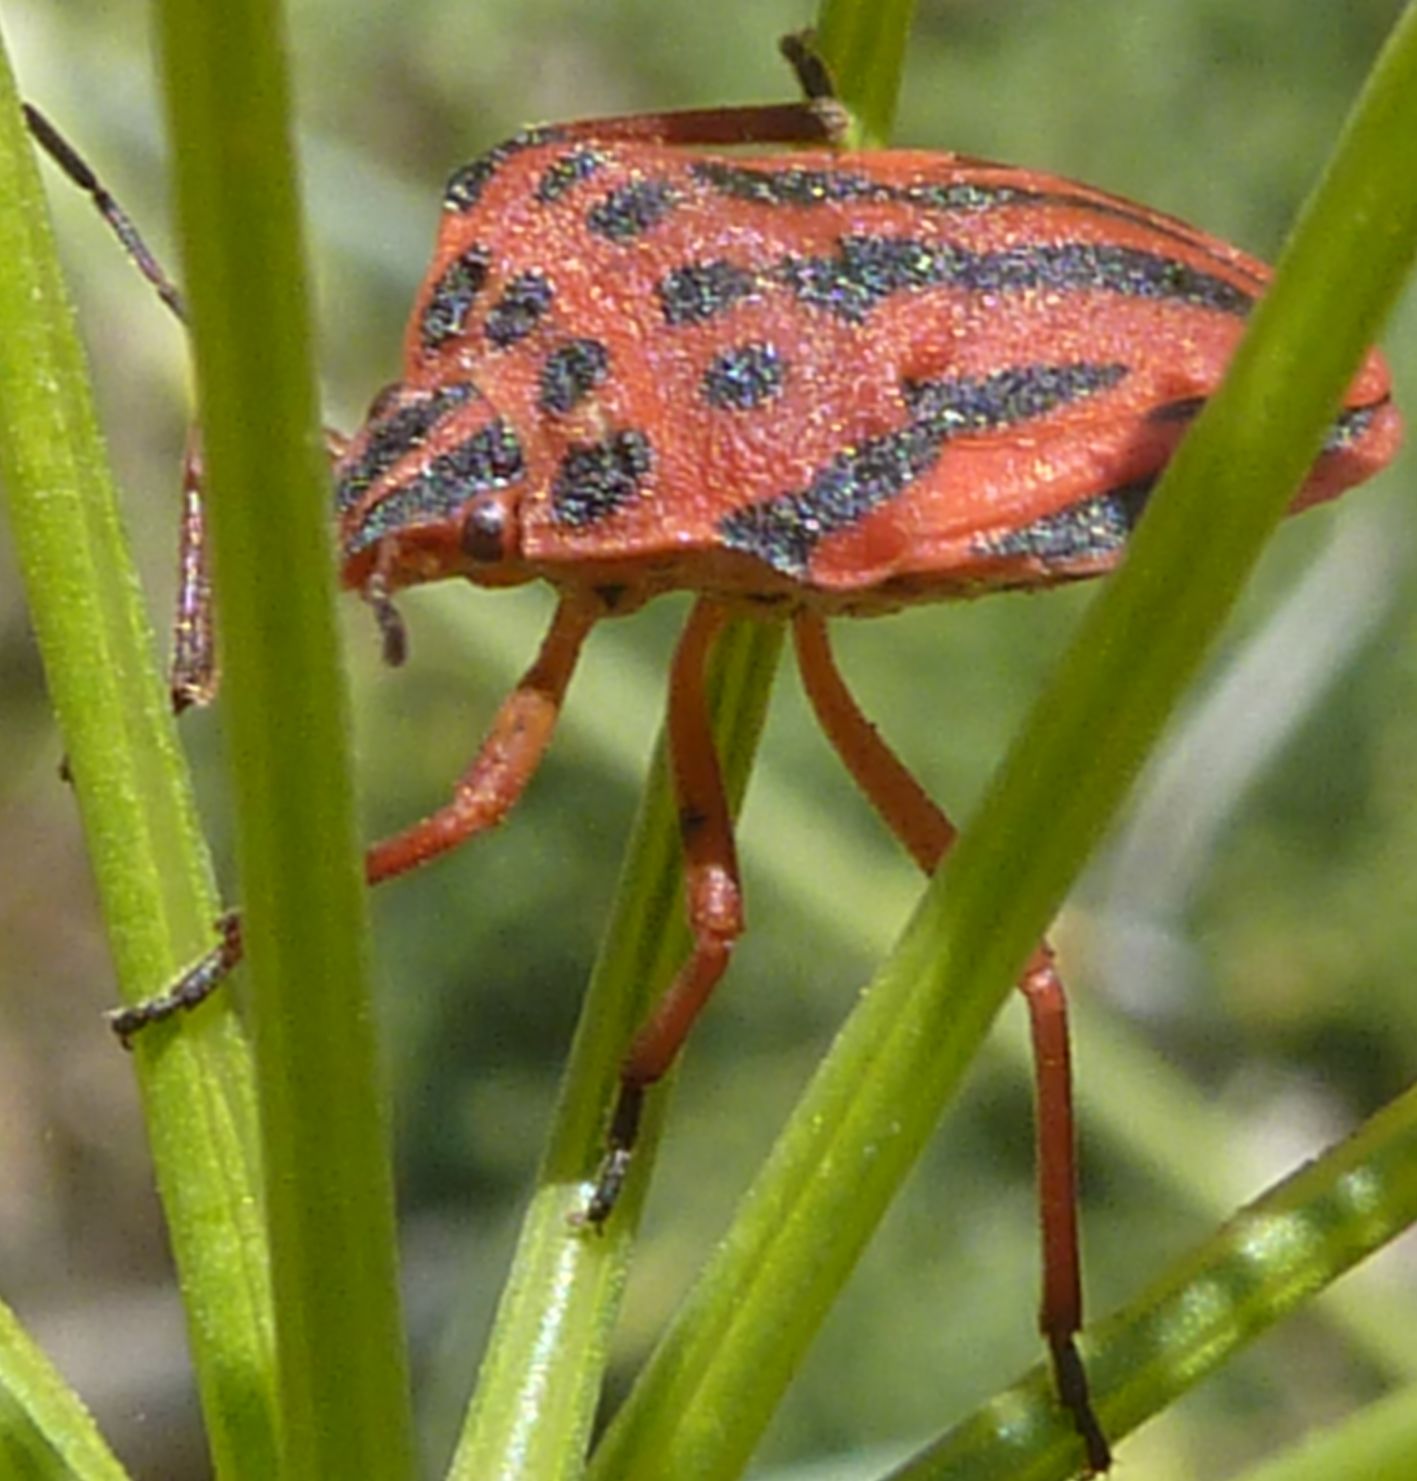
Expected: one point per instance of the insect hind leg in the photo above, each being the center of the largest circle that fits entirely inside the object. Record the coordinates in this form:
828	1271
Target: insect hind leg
922	827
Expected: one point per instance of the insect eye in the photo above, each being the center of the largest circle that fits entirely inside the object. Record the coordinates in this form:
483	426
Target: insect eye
487	531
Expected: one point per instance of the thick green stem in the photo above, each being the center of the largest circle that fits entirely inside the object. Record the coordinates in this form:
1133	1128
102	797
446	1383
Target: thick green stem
343	1380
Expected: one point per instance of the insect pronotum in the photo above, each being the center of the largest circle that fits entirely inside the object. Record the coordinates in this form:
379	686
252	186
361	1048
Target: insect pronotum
800	386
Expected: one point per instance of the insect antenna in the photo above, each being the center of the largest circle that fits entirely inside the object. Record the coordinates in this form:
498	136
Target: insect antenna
58	148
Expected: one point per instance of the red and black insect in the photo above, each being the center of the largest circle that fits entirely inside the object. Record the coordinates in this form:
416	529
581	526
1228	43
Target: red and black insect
800	386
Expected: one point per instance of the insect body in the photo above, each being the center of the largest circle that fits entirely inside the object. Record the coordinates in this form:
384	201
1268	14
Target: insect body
827	382
799	386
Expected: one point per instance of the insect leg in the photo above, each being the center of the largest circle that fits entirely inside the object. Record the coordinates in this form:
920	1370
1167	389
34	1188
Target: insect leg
1060	1311
819	121
194	986
489	789
713	899
73	164
913	816
485	793
192	676
192	673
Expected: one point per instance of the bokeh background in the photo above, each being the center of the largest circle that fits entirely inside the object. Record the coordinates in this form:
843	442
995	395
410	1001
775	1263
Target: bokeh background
1242	955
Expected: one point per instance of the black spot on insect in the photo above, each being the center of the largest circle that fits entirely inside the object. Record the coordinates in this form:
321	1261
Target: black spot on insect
465	188
1094	527
1022	393
490	459
1080	266
596	478
795	186
517	312
699	291
570	373
445	314
631	210
744	377
400	428
783	530
866	270
1351	425
565	173
611	594
785	187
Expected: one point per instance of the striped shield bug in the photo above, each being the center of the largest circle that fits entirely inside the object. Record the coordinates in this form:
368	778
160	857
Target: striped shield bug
799	385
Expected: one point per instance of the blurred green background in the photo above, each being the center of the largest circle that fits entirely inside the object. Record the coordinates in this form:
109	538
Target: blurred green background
1241	957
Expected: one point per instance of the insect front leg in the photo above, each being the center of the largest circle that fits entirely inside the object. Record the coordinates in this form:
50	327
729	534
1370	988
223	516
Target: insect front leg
914	817
486	792
509	756
713	899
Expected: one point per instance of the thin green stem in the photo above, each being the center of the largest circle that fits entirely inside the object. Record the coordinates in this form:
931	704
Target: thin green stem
1258	1268
531	1419
343	1380
45	1431
863	42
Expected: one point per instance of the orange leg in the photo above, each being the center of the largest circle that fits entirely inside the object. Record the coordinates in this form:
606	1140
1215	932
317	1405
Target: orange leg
487	791
485	794
713	899
926	832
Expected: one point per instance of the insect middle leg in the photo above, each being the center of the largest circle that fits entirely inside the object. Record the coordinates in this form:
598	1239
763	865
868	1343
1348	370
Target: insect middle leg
713	899
914	817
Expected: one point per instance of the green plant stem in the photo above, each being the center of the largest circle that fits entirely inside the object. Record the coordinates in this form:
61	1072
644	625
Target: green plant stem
153	878
863	42
45	1431
343	1381
709	1388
